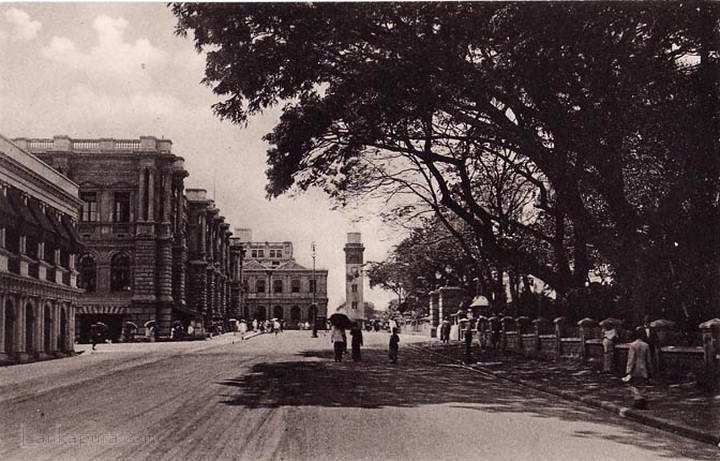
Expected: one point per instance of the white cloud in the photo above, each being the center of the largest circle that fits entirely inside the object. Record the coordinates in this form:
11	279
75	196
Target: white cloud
123	65
21	26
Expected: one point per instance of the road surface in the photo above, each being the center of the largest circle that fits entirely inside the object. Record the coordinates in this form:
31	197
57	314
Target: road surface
283	398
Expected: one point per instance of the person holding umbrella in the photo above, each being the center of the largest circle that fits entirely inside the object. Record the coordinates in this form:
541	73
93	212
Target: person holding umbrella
339	322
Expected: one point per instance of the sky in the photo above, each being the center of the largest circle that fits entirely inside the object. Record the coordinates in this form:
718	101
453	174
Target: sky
117	70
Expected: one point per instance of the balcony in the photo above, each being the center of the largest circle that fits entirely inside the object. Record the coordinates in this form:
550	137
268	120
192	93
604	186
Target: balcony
103	230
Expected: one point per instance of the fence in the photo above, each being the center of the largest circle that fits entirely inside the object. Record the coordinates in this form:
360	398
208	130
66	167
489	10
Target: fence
584	341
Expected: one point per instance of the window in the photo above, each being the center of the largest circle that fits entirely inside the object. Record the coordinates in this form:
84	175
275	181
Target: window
261	253
120	273
245	286
277	286
354	305
276	253
253	253
86	277
89	208
260	286
353	288
312	286
121	211
295	285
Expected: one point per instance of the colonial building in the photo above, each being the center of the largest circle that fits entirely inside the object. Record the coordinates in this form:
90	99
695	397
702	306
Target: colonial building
274	285
213	266
134	228
38	246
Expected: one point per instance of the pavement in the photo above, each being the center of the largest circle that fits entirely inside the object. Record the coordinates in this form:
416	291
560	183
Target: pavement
677	406
284	398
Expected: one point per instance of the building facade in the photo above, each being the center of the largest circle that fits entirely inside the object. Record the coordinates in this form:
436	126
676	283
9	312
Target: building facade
38	249
274	285
213	266
134	226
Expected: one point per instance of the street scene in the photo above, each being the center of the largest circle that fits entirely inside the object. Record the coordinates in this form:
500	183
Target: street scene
360	231
282	397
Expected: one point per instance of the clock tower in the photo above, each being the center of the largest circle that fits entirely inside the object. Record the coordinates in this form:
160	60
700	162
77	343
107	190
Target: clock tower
354	302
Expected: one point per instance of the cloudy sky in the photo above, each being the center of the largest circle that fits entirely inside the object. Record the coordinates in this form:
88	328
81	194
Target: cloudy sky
91	70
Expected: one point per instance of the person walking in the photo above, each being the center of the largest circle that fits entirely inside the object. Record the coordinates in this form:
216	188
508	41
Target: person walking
276	326
394	345
255	324
638	367
356	341
243	328
337	338
445	332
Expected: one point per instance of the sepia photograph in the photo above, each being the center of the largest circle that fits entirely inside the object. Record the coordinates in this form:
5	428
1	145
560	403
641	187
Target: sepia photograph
360	231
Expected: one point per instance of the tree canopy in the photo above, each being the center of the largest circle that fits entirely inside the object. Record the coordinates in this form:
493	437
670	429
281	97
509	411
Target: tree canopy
569	137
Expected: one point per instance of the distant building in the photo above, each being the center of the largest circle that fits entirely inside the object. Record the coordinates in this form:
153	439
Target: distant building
134	224
274	285
38	248
354	278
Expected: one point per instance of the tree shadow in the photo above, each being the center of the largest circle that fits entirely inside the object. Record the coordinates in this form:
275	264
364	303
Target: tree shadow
419	379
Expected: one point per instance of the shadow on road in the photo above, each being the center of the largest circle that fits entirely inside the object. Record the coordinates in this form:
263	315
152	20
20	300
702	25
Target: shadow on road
421	380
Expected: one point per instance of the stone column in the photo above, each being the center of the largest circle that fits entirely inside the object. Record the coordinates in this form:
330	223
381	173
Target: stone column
540	325
20	328
559	329
140	215
585	327
165	300
3	296
167	196
53	327
70	340
711	350
151	195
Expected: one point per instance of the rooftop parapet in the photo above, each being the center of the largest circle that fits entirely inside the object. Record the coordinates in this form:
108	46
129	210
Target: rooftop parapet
101	145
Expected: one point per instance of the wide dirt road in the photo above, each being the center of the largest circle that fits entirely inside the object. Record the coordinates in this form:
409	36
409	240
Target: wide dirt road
283	398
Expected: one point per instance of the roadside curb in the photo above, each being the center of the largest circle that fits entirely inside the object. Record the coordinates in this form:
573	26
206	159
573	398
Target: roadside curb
619	410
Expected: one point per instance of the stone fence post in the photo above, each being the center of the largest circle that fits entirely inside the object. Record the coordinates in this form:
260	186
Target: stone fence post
482	331
664	330
585	327
711	348
523	326
559	330
507	325
541	326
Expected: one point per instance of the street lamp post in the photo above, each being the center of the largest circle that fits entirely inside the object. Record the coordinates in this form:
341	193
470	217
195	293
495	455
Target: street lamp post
314	304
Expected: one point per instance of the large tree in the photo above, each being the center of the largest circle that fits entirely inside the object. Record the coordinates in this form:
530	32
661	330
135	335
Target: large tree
599	108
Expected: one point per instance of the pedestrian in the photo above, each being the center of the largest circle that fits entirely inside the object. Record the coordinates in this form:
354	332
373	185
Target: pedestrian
496	327
243	328
357	341
276	326
94	336
394	345
609	338
651	338
445	332
638	367
337	338
468	343
255	324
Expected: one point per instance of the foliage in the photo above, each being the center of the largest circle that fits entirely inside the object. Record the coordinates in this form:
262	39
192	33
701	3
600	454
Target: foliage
566	137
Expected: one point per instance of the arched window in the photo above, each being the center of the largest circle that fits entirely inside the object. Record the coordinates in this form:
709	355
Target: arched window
120	273
87	274
295	314
47	328
260	313
260	286
278	312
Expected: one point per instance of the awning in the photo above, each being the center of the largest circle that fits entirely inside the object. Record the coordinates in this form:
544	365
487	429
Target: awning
48	230
66	239
76	240
28	224
7	212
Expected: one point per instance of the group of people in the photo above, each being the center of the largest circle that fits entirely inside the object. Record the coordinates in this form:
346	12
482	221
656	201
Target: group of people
338	338
271	326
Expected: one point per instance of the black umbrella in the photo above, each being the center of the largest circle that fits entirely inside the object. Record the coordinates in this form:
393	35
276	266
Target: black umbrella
340	320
